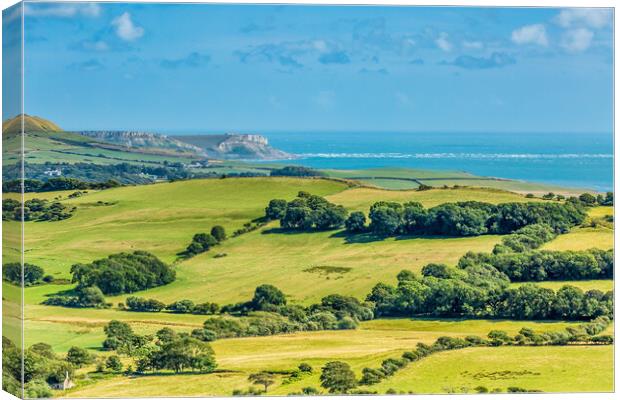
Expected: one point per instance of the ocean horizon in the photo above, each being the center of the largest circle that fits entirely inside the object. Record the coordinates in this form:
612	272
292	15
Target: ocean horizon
584	161
581	160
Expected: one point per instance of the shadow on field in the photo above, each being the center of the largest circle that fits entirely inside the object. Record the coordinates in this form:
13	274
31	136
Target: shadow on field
67	292
283	231
368	237
171	373
351	238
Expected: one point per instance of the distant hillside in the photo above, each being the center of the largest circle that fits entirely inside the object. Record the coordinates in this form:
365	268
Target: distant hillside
47	142
31	124
144	140
236	146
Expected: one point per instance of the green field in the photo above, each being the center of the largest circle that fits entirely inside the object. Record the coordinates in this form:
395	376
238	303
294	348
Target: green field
162	218
407	178
548	369
604	285
553	369
583	238
364	347
59	147
167	215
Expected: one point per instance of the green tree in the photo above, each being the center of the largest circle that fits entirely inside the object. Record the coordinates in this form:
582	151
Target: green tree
165	335
182	352
205	240
304	367
12	272
267	295
181	307
385	218
262	378
587	199
123	273
356	222
119	336
90	296
79	356
498	338
219	233
441	271
276	209
114	363
337	377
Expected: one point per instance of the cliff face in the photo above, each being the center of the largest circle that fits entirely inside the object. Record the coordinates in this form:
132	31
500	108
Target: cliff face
143	140
230	146
236	146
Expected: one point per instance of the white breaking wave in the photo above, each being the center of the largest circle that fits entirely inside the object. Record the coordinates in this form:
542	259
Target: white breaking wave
453	155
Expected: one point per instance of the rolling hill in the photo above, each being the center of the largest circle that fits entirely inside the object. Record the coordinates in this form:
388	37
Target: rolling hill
45	141
31	124
162	218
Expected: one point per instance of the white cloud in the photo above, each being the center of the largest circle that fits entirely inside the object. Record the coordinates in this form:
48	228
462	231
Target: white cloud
126	29
473	45
531	34
577	40
443	43
66	10
590	17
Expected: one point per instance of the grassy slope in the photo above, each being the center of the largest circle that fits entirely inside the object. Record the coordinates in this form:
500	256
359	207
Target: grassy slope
586	238
441	178
550	369
161	218
604	285
166	220
364	347
70	147
14	125
165	216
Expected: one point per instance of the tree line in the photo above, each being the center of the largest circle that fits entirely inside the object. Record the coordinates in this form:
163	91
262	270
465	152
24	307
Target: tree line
133	303
116	274
123	273
80	176
32	274
56	184
524	239
297	171
480	290
338	377
547	265
306	212
166	350
268	314
470	218
311	212
35	210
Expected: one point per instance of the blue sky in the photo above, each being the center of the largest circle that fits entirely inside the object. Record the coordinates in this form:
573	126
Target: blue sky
171	67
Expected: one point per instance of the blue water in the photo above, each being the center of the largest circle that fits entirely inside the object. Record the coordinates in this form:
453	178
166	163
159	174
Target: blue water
581	160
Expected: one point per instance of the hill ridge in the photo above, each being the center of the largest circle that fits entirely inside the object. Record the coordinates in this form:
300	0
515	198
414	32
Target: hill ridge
32	123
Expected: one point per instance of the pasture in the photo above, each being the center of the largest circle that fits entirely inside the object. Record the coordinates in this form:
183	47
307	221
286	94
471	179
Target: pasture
162	218
365	347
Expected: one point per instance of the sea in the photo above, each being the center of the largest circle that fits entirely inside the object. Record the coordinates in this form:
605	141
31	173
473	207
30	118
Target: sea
578	160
